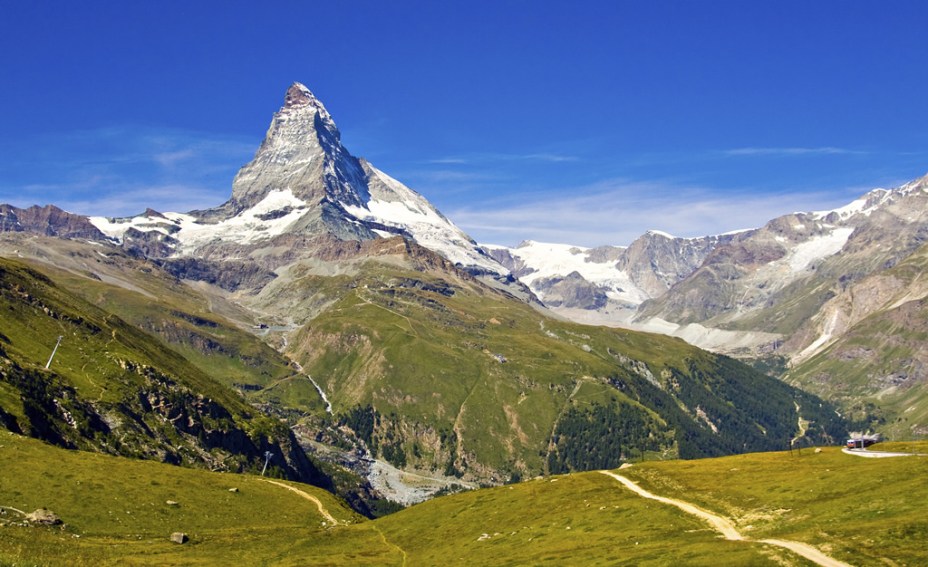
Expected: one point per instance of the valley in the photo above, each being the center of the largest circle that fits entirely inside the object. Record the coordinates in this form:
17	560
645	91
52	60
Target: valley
327	325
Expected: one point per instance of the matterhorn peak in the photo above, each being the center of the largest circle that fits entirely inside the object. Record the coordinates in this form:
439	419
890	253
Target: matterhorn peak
302	153
298	101
302	185
298	95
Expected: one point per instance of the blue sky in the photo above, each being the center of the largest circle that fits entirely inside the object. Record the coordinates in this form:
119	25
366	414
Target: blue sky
581	122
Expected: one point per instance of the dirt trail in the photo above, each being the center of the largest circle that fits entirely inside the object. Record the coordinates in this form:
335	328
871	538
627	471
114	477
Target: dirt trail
727	528
389	543
325	513
722	525
877	454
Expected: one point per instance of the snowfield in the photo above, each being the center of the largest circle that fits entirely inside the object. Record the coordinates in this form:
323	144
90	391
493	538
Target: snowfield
806	253
269	218
558	260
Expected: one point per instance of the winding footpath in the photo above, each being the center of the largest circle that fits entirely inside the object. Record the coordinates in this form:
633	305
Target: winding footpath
325	513
331	519
727	528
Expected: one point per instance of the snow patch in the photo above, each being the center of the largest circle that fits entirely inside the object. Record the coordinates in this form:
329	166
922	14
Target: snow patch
395	205
818	248
662	233
270	217
116	228
557	260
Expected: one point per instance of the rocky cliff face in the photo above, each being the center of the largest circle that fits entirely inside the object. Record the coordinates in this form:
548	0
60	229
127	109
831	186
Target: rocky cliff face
49	221
657	261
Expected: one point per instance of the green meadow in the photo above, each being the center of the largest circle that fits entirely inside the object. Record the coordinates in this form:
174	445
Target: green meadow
116	511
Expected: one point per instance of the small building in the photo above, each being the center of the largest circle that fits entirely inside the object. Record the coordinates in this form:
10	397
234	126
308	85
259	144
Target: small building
861	441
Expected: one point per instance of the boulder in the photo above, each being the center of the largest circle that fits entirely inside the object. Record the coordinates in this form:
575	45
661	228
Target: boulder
43	517
179	537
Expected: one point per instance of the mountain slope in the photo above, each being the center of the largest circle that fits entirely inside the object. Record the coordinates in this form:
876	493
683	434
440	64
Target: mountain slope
458	376
114	389
872	357
453	376
605	285
586	518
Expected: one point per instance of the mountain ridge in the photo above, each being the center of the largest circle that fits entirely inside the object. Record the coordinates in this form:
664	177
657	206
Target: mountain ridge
784	292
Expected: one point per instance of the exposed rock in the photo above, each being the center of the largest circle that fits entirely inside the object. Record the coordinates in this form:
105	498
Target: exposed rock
43	517
570	291
229	275
655	261
148	244
179	537
48	220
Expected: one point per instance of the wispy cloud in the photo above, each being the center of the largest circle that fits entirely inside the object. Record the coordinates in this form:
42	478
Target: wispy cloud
448	161
618	211
134	200
122	170
791	151
489	158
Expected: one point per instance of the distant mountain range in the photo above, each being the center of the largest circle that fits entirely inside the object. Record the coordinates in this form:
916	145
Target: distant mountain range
331	296
801	295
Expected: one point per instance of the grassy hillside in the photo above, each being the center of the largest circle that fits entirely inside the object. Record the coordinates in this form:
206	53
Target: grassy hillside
116	511
861	511
116	389
209	330
430	369
447	374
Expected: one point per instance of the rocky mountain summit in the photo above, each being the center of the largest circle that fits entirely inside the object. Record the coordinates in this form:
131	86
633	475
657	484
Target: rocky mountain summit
303	195
48	220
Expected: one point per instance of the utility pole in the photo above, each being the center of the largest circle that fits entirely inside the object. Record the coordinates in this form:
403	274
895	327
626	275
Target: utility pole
54	350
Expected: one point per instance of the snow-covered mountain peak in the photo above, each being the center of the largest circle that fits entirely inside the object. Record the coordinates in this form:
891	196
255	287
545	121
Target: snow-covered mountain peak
302	182
920	184
300	101
872	201
302	151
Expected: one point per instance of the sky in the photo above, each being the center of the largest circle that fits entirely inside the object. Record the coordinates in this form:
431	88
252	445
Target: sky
585	123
